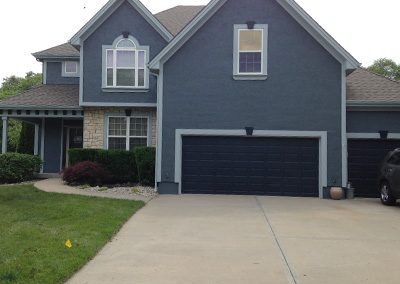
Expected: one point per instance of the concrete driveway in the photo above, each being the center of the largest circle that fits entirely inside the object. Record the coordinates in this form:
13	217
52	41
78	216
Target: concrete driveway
233	239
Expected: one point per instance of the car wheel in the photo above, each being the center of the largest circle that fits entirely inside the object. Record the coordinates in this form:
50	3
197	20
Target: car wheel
386	195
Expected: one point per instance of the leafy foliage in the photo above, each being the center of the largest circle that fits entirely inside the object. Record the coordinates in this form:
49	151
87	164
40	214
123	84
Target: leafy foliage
14	85
120	164
86	173
387	68
26	139
145	161
16	167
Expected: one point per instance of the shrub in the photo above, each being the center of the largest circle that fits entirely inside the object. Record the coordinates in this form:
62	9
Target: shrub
145	161
16	167
86	173
120	164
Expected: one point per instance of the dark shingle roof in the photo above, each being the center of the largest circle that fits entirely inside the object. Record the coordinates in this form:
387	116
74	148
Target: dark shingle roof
65	50
176	18
45	97
367	87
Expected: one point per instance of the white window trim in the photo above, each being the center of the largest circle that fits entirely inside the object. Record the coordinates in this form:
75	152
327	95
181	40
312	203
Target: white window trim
64	72
127	135
264	54
137	49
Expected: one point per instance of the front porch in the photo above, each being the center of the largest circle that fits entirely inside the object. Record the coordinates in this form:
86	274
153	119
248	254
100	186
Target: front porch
57	118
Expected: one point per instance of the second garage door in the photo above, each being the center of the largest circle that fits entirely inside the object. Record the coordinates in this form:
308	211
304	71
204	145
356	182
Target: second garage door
250	166
365	158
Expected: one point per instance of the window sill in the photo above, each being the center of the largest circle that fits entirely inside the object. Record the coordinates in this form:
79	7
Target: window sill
124	90
250	77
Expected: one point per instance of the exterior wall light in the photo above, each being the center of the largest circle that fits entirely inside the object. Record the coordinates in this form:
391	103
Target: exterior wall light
249	131
384	134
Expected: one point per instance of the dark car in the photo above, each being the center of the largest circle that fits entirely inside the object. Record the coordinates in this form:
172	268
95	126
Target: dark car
389	180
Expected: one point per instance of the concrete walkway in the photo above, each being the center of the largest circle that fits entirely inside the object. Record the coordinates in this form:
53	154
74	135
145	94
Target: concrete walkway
231	239
56	185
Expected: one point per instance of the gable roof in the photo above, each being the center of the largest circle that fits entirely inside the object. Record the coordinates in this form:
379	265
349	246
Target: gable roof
65	50
108	9
176	18
366	88
45	97
305	20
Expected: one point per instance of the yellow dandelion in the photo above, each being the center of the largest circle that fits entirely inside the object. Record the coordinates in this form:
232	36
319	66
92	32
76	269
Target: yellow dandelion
68	244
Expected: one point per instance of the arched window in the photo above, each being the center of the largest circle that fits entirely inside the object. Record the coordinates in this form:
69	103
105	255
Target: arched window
125	64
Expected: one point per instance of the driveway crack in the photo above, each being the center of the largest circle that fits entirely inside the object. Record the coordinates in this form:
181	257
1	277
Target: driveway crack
289	270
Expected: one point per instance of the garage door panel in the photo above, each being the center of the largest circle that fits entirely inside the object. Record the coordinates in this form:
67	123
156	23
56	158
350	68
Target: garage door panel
364	160
250	165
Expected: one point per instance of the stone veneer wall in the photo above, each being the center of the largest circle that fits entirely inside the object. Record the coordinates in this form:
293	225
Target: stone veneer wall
93	125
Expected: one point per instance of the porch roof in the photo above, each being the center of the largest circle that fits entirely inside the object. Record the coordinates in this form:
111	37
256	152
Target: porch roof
45	97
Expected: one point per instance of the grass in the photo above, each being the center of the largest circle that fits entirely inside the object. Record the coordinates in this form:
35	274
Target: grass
35	225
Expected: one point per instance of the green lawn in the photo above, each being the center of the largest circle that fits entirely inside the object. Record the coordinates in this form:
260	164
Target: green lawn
34	227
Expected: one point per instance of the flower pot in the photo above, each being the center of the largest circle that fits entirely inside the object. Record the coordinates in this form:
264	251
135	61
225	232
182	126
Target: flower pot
337	193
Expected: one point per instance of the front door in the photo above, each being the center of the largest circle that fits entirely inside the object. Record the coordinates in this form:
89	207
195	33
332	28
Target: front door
73	140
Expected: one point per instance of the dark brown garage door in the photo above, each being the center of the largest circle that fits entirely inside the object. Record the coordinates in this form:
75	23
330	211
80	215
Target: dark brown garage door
250	166
365	158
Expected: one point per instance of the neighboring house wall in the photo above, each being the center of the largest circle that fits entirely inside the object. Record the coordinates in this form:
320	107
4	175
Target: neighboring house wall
125	18
54	75
94	125
302	92
373	121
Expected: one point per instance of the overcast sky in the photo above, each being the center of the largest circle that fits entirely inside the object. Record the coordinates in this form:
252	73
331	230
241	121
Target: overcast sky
367	29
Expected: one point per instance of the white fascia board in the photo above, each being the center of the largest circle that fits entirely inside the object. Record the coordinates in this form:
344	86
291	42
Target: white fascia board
108	9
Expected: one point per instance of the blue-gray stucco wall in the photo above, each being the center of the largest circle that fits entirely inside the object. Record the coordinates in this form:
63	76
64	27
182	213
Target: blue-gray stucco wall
302	92
373	121
52	145
125	18
54	75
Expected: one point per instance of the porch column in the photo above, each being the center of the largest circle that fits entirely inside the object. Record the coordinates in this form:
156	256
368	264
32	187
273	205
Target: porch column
36	143
4	136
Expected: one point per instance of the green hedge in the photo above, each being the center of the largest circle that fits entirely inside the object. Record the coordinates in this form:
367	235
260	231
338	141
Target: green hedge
16	167
145	161
120	164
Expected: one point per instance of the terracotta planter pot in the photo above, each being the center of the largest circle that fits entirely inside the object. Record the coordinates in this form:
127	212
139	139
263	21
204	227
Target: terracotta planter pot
337	193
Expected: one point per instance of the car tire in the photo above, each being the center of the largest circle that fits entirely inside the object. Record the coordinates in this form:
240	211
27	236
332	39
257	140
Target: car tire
386	194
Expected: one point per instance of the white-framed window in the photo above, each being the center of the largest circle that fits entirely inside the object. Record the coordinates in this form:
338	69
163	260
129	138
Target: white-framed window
250	52
125	64
127	133
70	69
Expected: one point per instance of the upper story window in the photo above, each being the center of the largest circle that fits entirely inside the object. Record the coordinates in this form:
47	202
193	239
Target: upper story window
250	52
125	64
70	69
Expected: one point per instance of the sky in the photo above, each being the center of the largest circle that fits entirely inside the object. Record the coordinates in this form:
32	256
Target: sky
367	29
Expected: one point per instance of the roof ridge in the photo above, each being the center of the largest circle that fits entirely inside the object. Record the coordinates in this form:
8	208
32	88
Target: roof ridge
174	7
379	75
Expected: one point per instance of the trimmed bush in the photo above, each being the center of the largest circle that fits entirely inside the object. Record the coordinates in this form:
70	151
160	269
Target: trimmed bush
86	173
120	164
16	167
145	161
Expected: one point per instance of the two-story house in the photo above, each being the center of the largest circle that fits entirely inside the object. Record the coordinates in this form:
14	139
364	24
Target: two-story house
238	97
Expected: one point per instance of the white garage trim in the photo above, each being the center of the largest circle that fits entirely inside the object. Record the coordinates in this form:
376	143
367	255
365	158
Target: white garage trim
321	135
371	136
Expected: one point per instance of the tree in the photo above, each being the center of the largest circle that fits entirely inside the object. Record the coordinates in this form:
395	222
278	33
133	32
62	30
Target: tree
12	86
387	68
